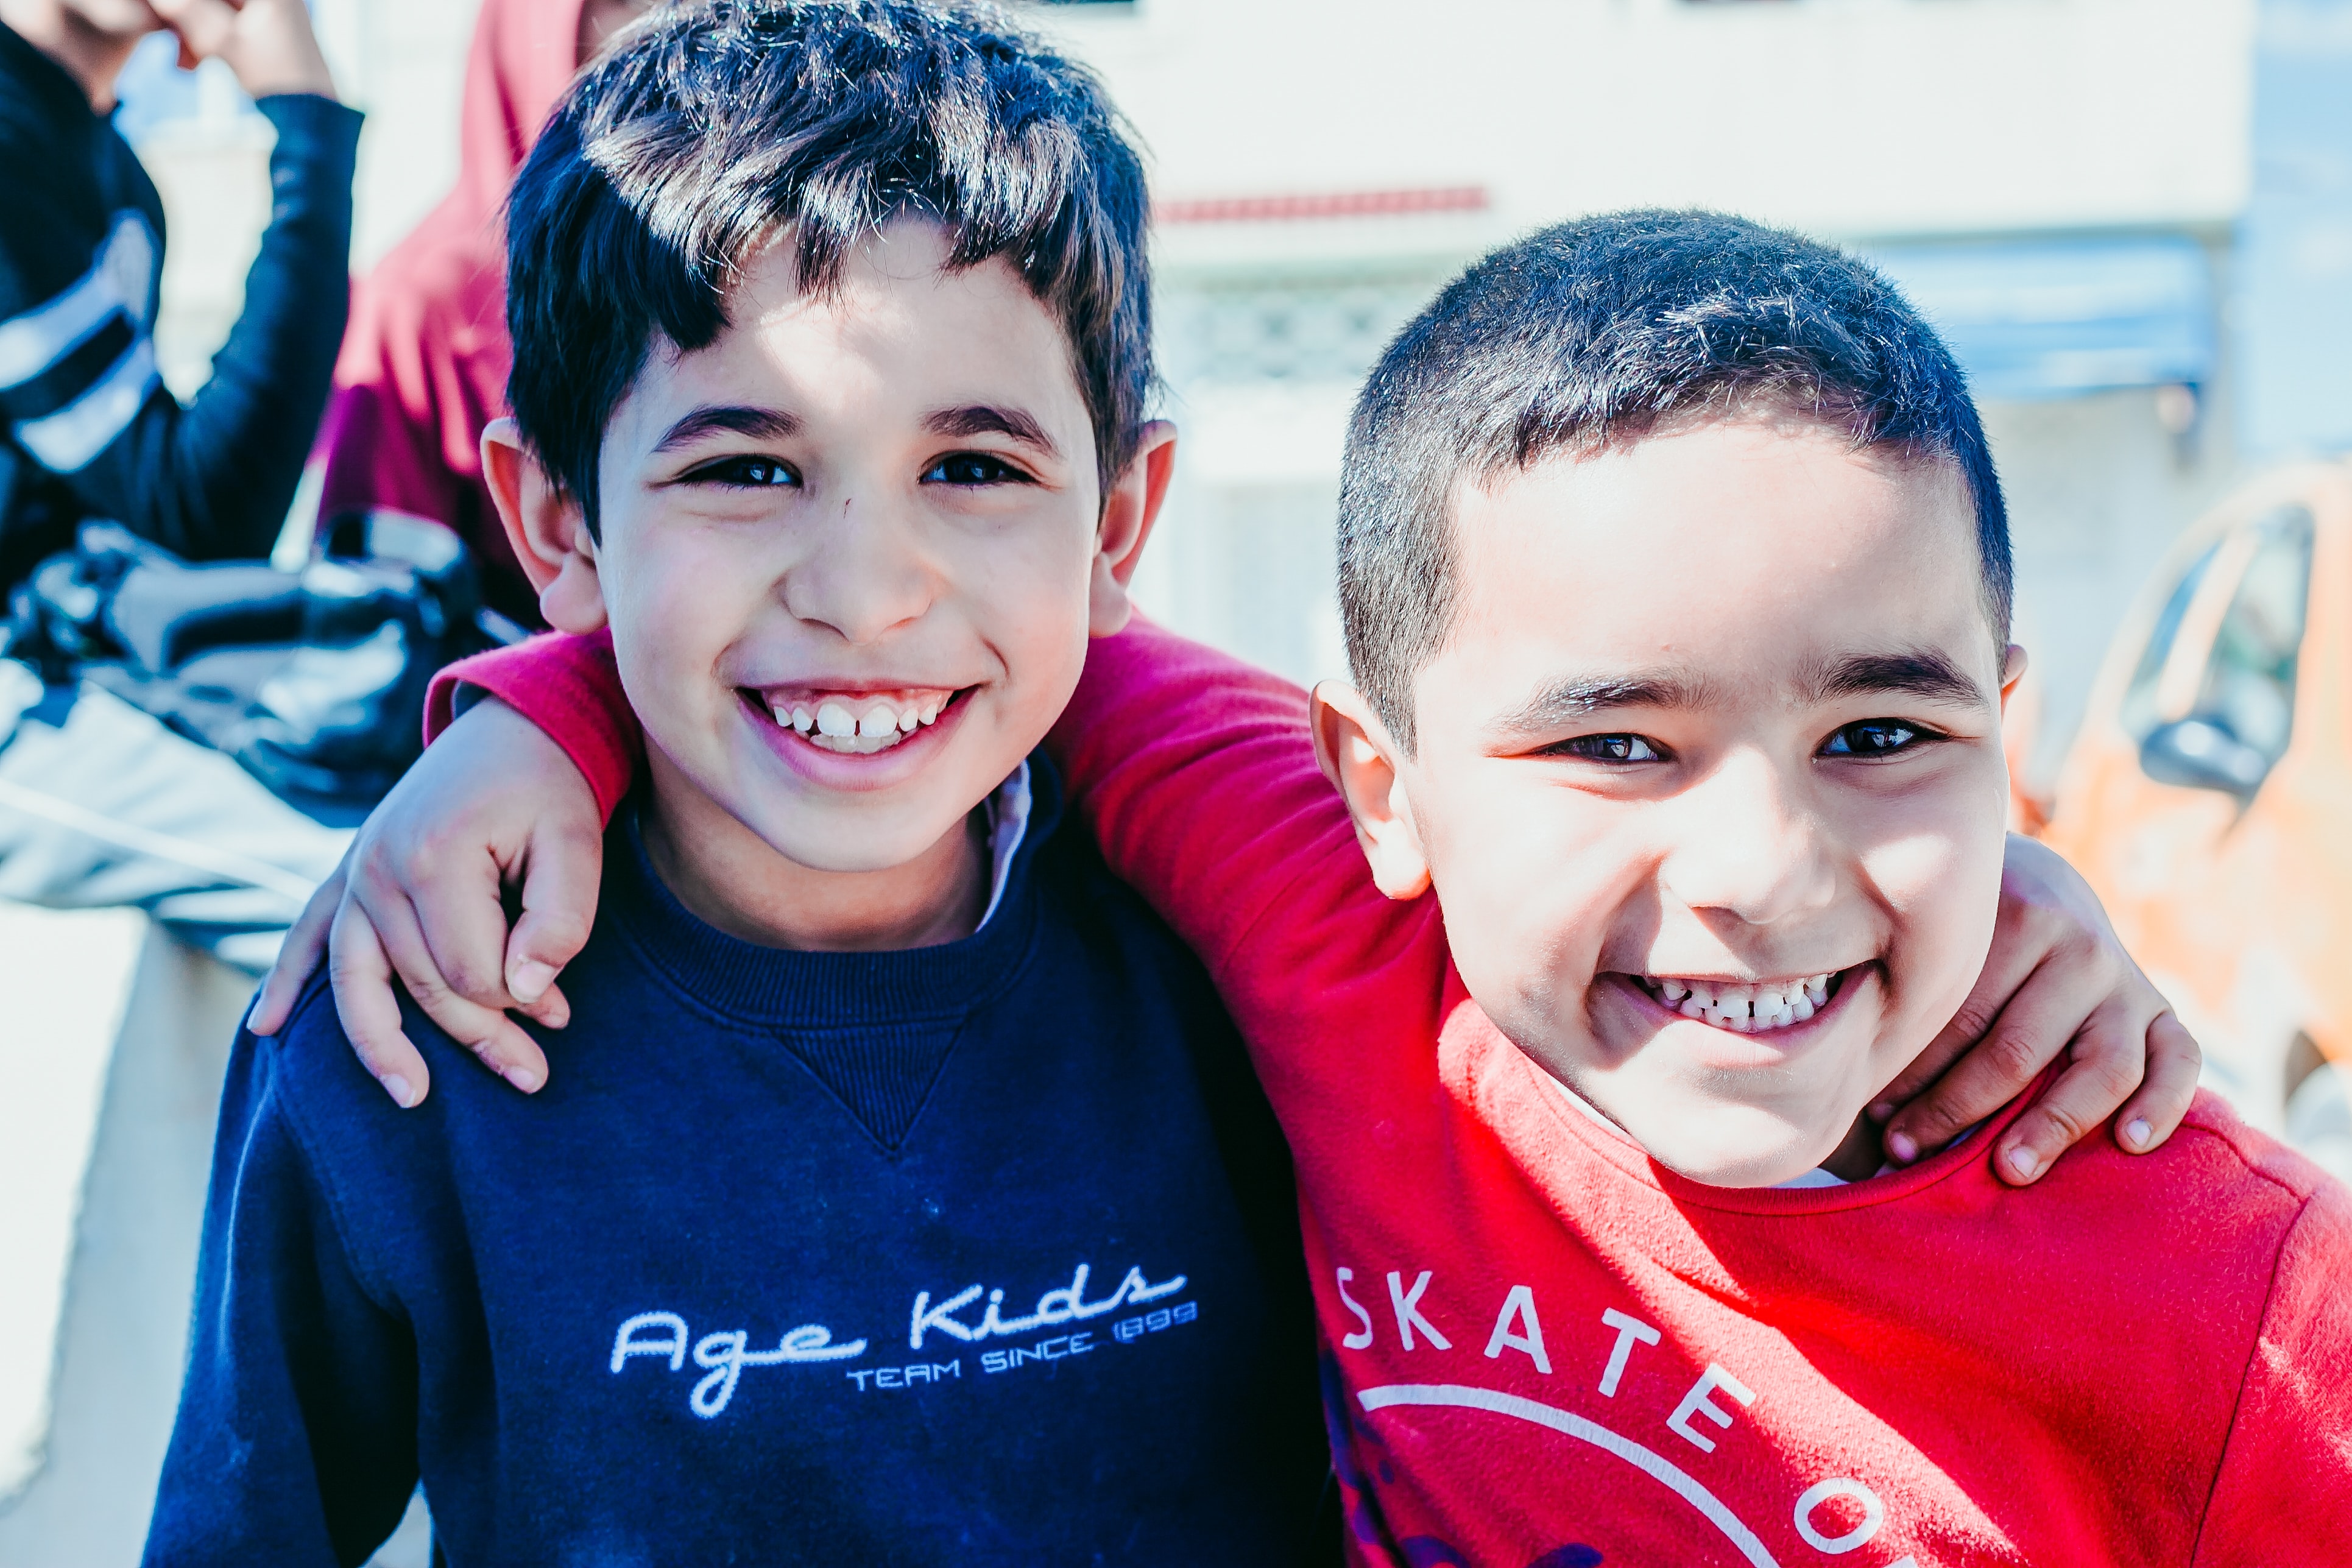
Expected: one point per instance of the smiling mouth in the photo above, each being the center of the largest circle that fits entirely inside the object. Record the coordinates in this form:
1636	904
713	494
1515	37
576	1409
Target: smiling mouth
852	723
1745	1009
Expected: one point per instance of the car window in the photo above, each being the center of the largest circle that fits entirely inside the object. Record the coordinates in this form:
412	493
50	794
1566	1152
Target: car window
2248	684
2140	709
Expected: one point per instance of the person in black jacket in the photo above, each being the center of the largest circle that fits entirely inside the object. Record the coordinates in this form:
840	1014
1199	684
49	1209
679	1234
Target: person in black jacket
91	431
97	803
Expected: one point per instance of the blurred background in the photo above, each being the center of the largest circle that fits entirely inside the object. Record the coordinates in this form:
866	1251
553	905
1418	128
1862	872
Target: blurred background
2132	219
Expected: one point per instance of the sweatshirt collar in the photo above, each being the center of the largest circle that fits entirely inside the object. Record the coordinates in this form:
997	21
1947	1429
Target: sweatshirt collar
744	981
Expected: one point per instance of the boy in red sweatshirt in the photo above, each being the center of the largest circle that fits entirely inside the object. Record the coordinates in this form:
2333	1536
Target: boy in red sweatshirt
1676	583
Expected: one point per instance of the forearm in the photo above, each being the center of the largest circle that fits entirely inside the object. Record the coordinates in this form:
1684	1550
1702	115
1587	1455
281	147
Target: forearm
215	480
1197	774
249	429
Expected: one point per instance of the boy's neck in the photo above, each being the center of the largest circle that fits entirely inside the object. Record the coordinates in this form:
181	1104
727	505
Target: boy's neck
1861	1154
732	879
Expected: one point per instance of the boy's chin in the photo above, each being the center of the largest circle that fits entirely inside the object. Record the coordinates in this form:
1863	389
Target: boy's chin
1741	1147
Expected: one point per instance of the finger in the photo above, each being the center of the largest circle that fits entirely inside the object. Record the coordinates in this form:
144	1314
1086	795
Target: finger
2007	967
362	978
494	1039
2167	1086
297	956
561	879
2106	1065
456	901
552	1011
2031	1030
202	26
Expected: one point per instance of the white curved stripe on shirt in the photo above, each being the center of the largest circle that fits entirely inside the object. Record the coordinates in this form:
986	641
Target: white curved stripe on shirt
67	440
118	279
1648	1462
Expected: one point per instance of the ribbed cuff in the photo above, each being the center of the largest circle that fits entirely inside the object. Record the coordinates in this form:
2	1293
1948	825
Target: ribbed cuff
311	128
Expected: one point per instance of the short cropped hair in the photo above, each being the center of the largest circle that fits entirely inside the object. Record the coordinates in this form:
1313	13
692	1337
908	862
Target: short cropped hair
1600	332
716	127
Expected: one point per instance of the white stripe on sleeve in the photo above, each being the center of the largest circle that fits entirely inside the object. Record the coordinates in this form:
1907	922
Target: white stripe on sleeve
67	440
118	279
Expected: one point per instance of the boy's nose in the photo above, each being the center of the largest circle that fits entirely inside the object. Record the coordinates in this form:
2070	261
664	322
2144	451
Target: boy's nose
1743	842
863	575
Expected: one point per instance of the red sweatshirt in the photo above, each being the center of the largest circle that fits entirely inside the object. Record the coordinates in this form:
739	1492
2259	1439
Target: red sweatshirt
1541	1348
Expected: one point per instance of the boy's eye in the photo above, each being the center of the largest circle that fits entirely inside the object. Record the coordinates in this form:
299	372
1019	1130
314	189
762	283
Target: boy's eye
1608	749
1873	738
974	468
744	473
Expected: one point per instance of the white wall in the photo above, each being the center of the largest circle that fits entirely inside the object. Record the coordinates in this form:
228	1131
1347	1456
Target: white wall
1841	116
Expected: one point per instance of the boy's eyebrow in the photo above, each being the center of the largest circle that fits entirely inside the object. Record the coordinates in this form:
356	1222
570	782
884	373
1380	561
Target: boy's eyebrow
761	424
1564	702
987	419
1917	672
736	419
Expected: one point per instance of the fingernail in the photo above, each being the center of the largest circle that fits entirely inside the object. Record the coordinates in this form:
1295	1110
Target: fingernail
1903	1146
397	1087
1882	1110
2136	1131
2022	1162
529	980
523	1078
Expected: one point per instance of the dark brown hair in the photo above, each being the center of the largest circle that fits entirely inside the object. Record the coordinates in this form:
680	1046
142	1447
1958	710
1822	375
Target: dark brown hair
716	126
1601	331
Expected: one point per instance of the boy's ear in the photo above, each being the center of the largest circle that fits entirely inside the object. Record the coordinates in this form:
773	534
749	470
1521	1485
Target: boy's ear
2013	671
1129	511
545	526
1360	759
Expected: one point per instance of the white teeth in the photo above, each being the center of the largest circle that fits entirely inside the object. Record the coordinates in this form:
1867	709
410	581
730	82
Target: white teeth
834	727
1745	1009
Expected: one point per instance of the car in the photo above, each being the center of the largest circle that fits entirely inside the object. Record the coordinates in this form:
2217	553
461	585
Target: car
2208	797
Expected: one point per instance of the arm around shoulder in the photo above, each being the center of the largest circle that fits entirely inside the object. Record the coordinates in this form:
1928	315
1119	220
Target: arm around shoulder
1198	775
568	686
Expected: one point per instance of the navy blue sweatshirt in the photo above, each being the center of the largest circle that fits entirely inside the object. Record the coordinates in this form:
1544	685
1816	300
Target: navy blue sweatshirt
87	428
980	1253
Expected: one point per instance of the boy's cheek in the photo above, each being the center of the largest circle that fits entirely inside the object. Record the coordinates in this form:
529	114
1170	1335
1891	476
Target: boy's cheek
1944	887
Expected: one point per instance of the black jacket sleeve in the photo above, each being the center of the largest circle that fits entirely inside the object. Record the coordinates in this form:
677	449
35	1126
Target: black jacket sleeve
215	479
295	1441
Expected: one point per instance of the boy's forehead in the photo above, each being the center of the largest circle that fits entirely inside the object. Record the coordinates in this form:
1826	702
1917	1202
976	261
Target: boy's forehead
897	328
1741	552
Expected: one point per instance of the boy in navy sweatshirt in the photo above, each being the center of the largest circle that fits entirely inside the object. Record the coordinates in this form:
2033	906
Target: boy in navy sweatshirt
907	1197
